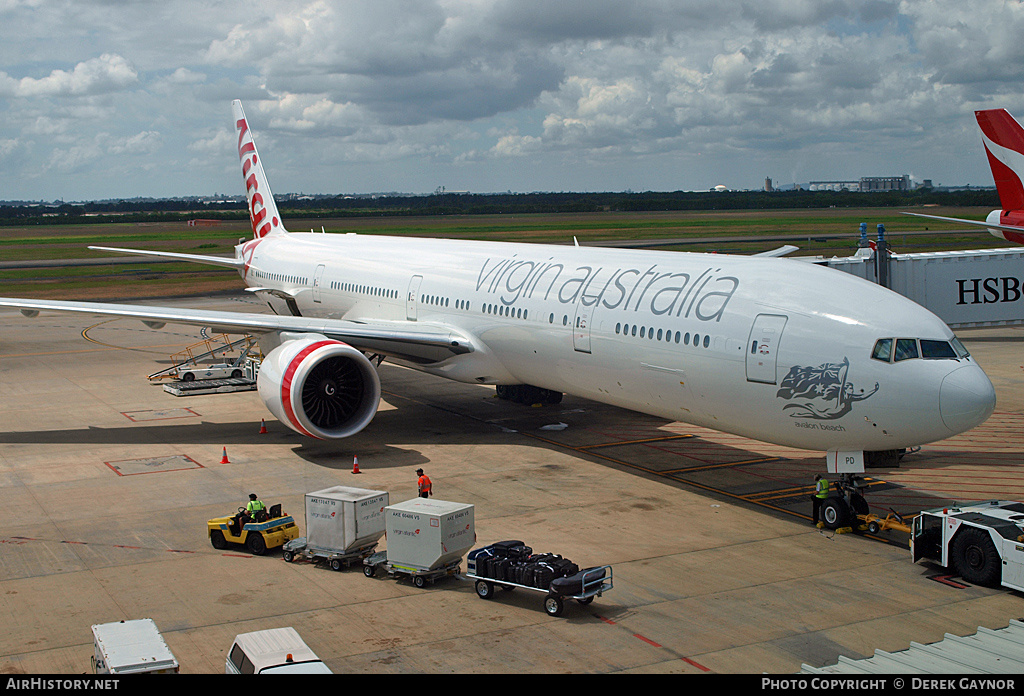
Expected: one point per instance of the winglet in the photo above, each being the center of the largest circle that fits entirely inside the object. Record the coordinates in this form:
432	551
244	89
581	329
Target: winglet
262	209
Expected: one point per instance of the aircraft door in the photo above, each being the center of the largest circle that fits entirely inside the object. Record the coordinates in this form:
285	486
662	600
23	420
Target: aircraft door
412	298
581	327
317	278
763	348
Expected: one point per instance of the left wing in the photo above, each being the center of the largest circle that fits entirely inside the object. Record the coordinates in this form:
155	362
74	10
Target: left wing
195	258
413	341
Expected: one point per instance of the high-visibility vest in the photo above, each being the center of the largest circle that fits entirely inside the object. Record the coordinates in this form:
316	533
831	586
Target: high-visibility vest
424	484
255	506
821	488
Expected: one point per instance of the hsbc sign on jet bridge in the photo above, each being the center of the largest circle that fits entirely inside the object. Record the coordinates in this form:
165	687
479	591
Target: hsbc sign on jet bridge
964	288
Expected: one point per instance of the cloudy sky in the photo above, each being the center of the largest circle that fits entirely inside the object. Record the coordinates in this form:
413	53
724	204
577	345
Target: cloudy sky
117	99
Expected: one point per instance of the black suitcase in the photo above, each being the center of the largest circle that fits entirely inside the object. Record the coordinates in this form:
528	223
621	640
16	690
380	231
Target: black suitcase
543	574
564	567
573	585
503	570
480	559
519	553
500	548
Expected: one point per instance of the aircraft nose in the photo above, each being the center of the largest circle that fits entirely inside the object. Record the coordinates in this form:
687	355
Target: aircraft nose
966	398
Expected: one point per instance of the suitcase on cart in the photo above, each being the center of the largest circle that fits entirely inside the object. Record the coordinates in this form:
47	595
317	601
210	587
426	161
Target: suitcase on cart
573	584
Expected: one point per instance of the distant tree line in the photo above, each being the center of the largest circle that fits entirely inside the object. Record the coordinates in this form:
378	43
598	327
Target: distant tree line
489	204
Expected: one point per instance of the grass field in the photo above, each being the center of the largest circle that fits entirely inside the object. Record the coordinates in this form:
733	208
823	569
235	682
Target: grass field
817	232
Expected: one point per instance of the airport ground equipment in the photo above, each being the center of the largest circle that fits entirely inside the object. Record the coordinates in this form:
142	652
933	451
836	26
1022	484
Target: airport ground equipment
427	539
131	647
187	366
343	526
511	564
892	520
257	536
982	542
272	651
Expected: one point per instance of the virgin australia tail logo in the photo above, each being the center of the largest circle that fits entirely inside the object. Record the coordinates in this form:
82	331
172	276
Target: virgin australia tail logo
821	393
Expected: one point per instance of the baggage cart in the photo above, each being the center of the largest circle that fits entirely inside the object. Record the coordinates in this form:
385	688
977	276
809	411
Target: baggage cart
337	560
592	583
420	577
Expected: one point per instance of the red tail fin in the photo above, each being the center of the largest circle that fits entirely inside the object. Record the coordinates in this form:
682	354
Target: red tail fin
1004	144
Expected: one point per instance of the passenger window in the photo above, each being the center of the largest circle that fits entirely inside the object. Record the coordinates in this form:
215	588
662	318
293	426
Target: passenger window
906	348
936	349
883	349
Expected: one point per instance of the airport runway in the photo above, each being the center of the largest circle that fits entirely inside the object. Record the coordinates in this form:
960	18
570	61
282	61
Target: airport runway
106	482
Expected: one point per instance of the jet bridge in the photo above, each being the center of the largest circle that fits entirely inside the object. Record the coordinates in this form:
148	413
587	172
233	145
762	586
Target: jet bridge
983	287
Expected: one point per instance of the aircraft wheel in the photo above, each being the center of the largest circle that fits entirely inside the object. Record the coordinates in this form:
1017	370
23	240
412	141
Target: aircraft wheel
834	513
975	557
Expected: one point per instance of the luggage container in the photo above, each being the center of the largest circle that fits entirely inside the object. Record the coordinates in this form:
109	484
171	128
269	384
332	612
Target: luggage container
131	647
427	539
343	525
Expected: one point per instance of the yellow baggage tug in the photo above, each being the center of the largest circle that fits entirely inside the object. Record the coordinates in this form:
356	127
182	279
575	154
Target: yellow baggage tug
258	536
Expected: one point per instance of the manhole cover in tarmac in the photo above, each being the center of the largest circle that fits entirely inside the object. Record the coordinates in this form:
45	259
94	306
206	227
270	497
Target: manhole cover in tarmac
164	414
153	465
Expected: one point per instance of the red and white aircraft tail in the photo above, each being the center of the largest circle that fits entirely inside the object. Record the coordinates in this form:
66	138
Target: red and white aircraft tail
262	209
1004	144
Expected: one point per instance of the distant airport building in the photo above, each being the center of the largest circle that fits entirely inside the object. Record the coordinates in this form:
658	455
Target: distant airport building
834	186
885	183
864	184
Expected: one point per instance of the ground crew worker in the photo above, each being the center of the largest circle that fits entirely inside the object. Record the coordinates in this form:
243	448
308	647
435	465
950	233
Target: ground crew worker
820	494
423	484
254	506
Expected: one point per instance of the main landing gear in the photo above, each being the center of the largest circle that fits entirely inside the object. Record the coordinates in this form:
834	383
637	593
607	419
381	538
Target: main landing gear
527	394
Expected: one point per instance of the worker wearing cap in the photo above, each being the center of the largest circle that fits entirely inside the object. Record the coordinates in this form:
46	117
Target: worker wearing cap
254	506
820	494
423	484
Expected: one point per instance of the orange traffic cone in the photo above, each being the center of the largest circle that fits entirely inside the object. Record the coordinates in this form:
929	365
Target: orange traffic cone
263	426
224	459
355	465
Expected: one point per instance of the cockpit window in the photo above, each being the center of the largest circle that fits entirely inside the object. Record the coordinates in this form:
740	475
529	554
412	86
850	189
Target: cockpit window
906	348
883	349
936	349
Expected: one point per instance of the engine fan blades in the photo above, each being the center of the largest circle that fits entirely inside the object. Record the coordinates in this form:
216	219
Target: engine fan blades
332	392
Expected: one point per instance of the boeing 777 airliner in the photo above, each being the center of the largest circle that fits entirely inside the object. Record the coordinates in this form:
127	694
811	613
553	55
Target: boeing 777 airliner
768	348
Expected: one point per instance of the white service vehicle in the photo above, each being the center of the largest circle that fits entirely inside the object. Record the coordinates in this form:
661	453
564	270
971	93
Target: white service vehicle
983	542
131	647
190	373
272	651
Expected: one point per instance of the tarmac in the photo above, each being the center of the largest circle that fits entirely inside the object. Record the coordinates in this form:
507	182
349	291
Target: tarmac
107	481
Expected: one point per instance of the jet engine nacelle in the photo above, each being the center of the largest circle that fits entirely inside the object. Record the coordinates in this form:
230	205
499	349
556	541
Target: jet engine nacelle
319	387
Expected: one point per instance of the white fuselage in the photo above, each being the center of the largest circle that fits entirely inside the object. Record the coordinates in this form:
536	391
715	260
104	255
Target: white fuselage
768	348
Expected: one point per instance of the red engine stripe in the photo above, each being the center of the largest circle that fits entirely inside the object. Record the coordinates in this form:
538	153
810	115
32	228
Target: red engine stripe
286	382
